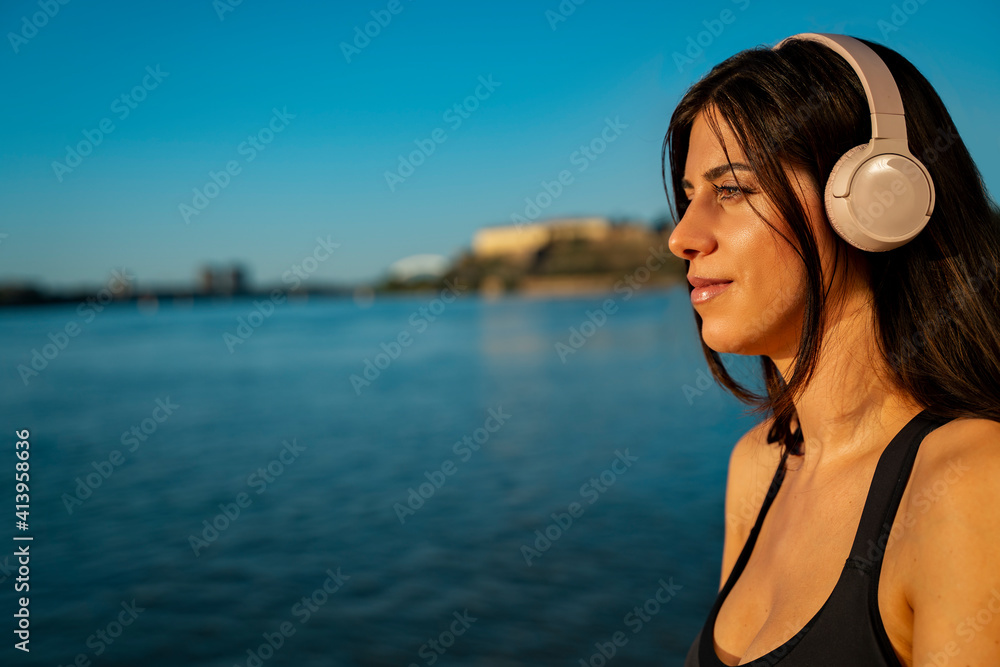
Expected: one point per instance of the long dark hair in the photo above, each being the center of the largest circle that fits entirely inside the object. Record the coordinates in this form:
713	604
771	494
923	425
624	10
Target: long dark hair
936	301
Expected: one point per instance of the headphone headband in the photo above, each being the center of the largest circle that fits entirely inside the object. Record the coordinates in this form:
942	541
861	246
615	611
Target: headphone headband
878	196
883	96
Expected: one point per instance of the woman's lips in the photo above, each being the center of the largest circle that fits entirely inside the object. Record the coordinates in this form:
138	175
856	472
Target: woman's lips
706	289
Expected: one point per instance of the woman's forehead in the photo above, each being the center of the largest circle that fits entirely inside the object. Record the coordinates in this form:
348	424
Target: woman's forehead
705	150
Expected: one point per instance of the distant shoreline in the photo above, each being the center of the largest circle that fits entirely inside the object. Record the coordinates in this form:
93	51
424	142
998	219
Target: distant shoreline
548	288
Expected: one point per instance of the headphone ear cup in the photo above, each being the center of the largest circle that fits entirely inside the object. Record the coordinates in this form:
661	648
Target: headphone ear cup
837	209
887	199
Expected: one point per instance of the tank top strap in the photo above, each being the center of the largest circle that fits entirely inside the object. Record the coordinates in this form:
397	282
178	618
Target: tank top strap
888	483
772	491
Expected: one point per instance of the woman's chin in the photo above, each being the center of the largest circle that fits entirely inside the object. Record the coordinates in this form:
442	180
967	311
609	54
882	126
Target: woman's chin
726	342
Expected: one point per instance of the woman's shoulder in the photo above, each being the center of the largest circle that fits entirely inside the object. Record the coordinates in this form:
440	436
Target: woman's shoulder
957	465
753	455
957	446
951	532
752	465
953	484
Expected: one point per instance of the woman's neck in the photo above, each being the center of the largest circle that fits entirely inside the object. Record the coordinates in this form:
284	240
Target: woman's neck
849	407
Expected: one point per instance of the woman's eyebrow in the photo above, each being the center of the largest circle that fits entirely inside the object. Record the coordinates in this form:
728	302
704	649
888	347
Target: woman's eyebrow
715	172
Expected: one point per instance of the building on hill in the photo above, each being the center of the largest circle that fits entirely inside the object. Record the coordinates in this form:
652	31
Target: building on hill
522	241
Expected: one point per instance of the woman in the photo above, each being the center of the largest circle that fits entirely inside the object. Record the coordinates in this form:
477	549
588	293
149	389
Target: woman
862	524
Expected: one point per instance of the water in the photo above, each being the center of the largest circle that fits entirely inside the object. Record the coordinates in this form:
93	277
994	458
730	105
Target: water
321	472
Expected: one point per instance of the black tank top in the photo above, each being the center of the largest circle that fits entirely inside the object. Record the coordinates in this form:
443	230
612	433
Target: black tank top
847	630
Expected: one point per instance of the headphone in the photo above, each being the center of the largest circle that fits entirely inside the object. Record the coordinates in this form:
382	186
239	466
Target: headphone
878	196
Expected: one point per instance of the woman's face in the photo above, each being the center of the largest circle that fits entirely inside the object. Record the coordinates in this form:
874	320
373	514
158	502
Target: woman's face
749	284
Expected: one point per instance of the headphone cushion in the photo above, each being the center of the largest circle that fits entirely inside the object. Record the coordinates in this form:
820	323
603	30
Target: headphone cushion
840	218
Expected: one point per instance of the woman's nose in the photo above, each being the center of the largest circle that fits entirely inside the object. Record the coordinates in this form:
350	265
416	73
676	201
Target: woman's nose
692	235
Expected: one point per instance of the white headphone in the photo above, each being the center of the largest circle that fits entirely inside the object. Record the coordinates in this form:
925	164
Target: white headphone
878	195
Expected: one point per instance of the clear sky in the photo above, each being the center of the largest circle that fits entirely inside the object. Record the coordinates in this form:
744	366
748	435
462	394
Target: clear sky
202	82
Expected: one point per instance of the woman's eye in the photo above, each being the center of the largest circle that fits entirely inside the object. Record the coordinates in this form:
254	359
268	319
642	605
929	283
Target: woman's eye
728	191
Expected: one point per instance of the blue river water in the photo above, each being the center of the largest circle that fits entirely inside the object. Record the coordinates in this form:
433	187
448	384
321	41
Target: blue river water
490	488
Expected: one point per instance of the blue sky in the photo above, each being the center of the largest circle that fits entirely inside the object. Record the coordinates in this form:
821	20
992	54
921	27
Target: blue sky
344	119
